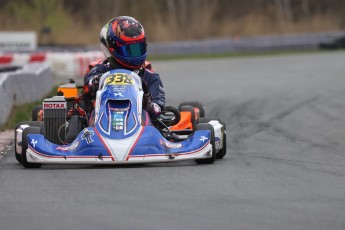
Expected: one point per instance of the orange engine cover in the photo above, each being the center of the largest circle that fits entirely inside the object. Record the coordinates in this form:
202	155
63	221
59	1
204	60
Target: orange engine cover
185	121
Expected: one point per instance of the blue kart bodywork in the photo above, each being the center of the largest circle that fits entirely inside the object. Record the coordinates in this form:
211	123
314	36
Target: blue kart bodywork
90	146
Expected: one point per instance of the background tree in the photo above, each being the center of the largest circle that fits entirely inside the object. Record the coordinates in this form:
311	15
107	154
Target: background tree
79	21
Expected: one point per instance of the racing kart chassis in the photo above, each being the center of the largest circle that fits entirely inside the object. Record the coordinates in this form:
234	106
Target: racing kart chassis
118	136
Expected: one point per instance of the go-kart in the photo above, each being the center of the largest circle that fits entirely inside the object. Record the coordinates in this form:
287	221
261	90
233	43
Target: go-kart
118	135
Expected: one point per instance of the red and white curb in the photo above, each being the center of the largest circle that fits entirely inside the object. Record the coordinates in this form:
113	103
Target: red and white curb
63	64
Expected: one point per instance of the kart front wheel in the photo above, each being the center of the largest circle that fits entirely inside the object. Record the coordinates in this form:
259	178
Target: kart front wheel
222	152
16	146
29	130
206	126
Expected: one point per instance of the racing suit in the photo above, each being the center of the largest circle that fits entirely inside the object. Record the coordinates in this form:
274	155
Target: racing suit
152	85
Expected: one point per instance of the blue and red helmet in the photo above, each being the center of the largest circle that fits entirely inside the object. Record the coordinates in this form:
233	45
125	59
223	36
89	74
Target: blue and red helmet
123	38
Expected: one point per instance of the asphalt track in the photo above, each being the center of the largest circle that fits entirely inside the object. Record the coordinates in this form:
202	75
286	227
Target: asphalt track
285	167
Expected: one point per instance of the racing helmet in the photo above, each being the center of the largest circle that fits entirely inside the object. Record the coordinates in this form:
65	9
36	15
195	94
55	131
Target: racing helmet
123	38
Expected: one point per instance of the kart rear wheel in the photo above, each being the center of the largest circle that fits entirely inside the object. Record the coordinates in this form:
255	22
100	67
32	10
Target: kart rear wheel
195	104
222	152
29	130
205	126
29	123
35	111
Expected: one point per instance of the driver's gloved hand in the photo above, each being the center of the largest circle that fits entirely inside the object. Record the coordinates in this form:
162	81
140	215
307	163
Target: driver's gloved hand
94	84
153	110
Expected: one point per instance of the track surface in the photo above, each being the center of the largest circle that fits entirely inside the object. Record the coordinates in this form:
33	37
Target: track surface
285	167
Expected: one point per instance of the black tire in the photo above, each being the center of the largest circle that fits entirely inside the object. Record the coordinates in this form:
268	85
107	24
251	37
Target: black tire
29	130
35	111
221	153
74	128
196	104
188	108
210	160
29	123
173	110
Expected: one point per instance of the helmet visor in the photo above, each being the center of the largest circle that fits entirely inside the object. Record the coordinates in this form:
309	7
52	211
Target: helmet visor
131	50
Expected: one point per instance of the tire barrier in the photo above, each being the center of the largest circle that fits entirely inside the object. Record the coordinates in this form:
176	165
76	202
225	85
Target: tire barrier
63	64
25	84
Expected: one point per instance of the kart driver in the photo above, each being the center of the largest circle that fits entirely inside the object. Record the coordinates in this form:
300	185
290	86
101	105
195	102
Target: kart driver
123	42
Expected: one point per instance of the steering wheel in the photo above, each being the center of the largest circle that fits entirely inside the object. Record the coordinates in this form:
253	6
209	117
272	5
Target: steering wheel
170	116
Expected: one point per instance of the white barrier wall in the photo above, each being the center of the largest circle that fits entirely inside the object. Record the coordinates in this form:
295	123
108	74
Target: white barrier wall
35	79
72	65
27	84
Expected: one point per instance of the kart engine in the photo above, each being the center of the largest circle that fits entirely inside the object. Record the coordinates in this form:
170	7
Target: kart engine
55	112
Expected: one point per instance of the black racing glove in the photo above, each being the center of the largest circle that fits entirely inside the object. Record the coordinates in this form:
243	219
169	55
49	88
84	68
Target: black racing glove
94	82
152	108
92	86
